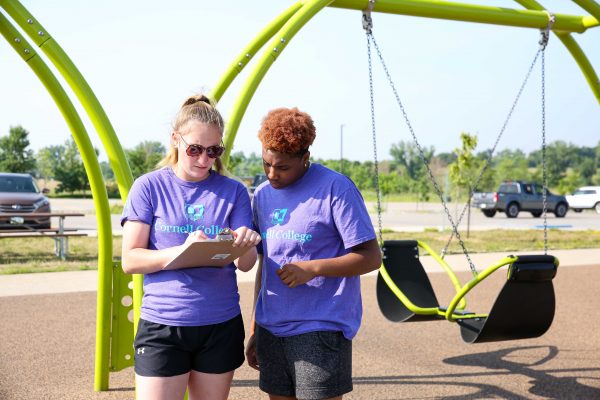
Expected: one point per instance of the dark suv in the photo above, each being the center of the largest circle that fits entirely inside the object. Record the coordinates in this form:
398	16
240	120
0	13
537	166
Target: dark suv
19	194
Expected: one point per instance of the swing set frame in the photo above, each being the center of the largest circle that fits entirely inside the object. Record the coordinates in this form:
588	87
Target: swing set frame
119	295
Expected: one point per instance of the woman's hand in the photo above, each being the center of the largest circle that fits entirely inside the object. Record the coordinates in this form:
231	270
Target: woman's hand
295	274
195	236
245	237
251	352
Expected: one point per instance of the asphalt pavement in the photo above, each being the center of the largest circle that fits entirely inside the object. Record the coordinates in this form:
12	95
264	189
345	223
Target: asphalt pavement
47	349
407	217
48	333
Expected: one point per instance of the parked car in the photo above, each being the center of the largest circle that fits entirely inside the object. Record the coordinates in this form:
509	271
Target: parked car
20	194
258	179
587	197
515	196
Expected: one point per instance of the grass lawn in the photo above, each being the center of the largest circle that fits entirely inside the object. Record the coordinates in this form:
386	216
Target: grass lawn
37	254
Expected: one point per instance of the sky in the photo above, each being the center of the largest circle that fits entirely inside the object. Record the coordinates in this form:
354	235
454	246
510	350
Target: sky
142	59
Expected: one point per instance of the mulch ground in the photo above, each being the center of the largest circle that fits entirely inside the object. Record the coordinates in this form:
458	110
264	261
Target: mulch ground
47	350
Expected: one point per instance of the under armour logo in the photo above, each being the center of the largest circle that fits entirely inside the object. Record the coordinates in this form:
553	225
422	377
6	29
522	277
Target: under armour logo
140	350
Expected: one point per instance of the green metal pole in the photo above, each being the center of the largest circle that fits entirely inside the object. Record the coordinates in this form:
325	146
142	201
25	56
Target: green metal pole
569	42
590	6
246	55
584	64
274	48
94	174
116	158
473	13
472	283
79	86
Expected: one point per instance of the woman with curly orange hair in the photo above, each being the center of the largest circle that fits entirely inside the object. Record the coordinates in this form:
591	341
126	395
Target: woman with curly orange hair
317	239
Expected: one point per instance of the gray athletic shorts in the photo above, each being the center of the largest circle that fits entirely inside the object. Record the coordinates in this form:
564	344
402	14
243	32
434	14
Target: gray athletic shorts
310	366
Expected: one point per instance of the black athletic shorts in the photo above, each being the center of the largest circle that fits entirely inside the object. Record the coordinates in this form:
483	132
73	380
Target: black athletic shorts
163	350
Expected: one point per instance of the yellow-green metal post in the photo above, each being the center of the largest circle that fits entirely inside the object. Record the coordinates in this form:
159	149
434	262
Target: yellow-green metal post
274	48
240	62
116	158
80	87
473	13
474	282
93	171
569	42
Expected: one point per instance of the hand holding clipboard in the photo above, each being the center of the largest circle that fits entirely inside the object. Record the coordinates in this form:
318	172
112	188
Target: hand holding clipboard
200	251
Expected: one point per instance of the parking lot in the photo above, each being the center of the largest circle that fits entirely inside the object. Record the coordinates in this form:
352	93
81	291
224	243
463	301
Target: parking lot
408	217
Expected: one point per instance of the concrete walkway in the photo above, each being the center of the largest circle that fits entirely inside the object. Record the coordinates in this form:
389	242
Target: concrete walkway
85	281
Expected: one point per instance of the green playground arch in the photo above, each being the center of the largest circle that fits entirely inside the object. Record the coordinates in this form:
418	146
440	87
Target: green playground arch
119	295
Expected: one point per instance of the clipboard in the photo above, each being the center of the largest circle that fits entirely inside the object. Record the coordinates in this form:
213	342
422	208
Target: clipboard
207	253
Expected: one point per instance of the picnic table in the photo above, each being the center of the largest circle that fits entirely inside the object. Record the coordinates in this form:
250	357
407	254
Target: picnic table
60	234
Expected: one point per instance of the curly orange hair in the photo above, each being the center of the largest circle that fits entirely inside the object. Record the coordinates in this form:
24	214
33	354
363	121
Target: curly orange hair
287	130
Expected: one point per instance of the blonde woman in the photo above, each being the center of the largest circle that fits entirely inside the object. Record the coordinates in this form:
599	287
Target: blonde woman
190	333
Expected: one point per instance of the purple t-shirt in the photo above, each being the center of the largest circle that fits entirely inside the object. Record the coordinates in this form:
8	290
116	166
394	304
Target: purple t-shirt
322	215
173	208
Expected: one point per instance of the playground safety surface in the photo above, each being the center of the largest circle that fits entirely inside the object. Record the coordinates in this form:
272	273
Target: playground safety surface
47	349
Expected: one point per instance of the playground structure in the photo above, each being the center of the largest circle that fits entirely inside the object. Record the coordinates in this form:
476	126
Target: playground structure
119	295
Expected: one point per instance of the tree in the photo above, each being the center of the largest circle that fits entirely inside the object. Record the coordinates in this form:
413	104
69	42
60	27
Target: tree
570	182
144	157
240	165
559	157
407	154
46	161
465	170
107	173
587	169
14	155
69	169
408	157
446	158
509	165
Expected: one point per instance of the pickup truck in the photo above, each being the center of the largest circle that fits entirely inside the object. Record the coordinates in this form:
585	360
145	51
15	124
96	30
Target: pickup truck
515	196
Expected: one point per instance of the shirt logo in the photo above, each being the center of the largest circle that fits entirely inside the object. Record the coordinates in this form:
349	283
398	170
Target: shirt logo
278	216
194	212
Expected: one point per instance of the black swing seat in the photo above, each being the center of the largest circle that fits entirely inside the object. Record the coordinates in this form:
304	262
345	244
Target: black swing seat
524	308
401	260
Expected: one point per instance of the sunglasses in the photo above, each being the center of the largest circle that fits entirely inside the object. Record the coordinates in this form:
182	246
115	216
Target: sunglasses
194	150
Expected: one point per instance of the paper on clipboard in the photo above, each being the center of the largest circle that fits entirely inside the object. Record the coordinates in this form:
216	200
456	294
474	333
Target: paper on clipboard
207	253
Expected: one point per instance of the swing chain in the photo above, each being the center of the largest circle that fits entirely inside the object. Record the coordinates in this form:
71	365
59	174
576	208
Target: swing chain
488	160
375	158
367	21
544	174
545	33
370	38
367	25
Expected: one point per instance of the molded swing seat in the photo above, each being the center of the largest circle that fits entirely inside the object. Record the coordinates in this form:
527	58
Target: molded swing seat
401	260
524	308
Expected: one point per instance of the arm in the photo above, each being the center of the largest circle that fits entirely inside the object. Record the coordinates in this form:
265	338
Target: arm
245	237
363	258
251	346
137	258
